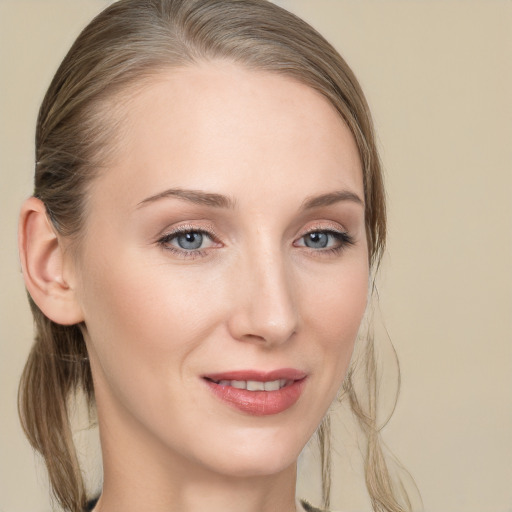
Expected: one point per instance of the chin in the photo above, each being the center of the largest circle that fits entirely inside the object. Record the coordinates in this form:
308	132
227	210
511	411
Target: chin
252	467
256	453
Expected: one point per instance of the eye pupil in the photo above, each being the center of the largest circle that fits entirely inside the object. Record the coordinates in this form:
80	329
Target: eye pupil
316	240
191	240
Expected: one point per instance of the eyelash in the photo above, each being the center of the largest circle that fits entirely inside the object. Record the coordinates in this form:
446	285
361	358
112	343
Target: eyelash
165	241
344	240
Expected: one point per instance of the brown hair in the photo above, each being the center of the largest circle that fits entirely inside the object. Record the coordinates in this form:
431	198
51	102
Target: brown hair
124	45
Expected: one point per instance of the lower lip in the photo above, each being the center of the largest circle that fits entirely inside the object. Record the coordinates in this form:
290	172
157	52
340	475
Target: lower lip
259	403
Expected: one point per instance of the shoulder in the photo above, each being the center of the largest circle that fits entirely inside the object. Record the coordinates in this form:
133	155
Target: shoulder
310	508
91	504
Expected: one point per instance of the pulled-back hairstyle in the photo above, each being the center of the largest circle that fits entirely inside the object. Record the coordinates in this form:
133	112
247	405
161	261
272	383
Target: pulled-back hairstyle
125	45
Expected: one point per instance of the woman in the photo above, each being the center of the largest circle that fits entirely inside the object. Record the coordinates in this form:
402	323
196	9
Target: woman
208	210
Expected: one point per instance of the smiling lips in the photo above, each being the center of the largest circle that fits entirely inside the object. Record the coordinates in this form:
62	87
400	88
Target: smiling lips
258	393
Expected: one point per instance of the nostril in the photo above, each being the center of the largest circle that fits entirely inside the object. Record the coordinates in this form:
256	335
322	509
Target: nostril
264	309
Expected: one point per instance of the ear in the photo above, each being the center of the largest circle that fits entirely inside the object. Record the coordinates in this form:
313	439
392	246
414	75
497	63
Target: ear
44	265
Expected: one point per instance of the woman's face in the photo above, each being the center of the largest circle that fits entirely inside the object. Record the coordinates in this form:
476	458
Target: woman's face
224	249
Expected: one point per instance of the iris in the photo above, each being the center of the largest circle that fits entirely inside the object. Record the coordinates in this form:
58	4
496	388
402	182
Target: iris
317	240
190	240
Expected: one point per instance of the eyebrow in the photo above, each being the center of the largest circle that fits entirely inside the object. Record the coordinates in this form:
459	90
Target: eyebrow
193	196
331	198
221	201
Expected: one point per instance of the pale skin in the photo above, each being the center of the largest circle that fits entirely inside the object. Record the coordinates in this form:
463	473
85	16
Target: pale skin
267	172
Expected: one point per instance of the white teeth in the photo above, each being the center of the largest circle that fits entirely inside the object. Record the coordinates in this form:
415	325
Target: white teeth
273	385
255	385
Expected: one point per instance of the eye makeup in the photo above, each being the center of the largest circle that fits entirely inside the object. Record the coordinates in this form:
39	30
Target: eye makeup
187	241
326	240
192	241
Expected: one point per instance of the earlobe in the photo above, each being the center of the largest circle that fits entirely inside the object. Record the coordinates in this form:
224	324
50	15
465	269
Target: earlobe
43	264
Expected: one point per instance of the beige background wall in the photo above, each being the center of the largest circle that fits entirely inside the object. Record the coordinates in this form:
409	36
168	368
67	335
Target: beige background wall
438	76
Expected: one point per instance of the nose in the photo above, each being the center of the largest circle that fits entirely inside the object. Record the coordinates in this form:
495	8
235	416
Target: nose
264	307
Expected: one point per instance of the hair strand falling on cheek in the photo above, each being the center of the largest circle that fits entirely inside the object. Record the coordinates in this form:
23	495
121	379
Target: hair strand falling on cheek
324	445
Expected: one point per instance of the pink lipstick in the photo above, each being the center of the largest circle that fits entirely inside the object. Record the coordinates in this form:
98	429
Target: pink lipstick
258	393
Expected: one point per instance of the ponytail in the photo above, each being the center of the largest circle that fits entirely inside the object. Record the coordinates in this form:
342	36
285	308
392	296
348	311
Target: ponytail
56	367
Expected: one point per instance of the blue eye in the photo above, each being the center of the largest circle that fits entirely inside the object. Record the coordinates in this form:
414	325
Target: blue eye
327	239
317	240
187	242
190	241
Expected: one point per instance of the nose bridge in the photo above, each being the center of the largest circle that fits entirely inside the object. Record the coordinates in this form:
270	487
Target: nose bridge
267	309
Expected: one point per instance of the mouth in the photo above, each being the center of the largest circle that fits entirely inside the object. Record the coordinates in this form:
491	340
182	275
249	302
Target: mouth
258	393
254	385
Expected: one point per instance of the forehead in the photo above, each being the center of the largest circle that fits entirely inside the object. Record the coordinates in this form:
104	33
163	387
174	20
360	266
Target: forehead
220	124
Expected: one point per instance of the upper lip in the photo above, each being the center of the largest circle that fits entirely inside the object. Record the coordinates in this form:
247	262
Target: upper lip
258	375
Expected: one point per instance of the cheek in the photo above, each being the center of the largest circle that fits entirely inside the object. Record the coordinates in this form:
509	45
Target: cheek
142	322
335	311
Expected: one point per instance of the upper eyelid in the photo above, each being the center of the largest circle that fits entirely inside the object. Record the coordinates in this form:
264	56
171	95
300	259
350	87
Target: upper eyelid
324	230
343	233
164	241
334	227
188	229
325	226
